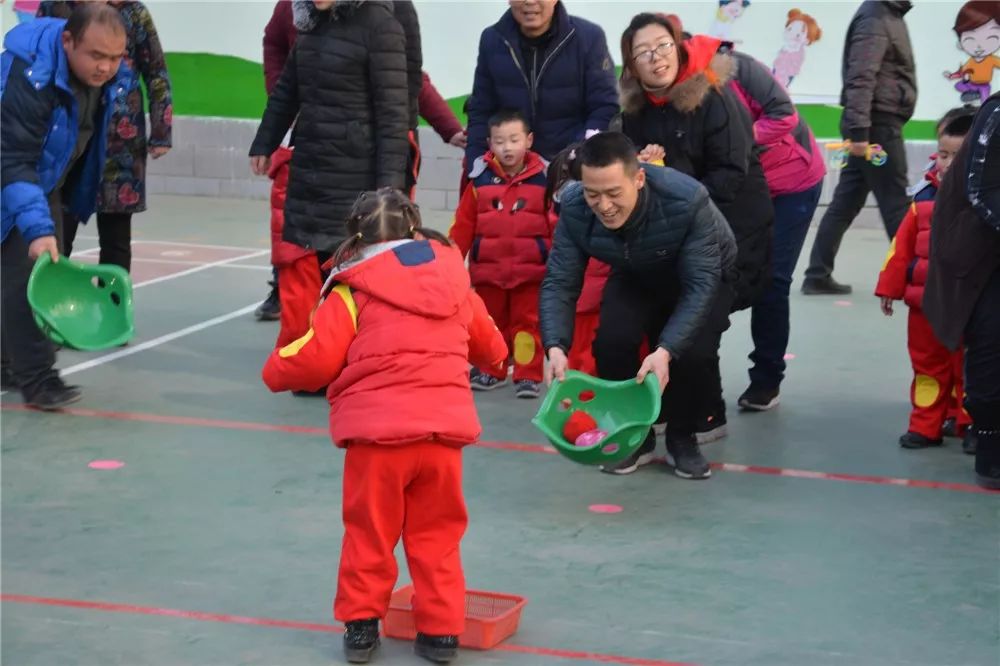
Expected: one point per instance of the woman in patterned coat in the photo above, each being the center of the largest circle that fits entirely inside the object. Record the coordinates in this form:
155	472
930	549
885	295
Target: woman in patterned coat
123	187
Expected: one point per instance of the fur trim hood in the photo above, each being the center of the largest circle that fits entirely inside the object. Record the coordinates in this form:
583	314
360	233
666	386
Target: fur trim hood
307	17
706	69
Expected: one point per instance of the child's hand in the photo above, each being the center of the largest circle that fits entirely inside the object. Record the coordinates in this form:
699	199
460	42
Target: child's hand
886	306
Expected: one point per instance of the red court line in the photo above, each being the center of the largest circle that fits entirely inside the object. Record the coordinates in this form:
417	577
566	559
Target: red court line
200	616
517	446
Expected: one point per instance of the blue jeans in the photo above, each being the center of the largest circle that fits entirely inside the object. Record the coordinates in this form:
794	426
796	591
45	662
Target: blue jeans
769	317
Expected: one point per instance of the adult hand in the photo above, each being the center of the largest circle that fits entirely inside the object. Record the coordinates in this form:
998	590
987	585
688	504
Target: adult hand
44	244
652	152
156	152
886	306
557	365
460	140
659	364
260	164
857	148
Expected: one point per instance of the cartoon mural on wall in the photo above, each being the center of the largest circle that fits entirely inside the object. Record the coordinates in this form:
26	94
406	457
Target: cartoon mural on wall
801	30
725	18
978	29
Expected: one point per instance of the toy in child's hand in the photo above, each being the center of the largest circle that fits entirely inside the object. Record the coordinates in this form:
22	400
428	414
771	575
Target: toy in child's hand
875	154
591	438
578	424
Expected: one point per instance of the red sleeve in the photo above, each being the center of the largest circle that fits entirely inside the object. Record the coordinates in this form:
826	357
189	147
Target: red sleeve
277	43
463	228
486	346
313	361
892	279
435	110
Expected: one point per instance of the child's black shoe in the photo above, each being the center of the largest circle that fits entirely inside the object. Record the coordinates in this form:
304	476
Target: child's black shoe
912	440
439	649
360	640
950	427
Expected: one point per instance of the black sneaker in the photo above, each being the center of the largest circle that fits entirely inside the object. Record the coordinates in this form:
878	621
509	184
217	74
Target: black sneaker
712	429
950	427
970	441
51	395
687	459
360	640
643	456
912	440
485	382
270	309
439	649
527	389
824	287
758	399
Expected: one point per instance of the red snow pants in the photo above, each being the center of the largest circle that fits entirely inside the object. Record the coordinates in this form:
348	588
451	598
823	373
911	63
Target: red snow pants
937	388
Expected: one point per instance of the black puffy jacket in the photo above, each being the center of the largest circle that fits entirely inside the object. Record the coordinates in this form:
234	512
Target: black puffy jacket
346	83
880	80
707	134
676	231
406	14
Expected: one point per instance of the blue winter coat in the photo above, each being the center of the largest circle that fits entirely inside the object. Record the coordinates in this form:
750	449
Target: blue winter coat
575	91
38	129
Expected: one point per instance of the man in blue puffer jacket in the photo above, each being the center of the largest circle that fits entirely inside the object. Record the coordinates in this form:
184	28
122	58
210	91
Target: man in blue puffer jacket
554	68
57	88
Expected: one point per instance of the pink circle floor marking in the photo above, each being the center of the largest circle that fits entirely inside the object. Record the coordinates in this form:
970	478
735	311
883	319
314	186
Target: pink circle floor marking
605	508
789	357
105	464
843	304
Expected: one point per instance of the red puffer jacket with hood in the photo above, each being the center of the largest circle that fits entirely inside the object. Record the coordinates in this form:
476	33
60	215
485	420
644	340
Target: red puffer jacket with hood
392	340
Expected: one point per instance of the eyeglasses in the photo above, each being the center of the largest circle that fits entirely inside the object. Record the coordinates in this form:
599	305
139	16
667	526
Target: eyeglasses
662	50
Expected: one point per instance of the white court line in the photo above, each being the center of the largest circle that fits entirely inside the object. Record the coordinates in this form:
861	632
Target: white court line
190	262
202	267
205	246
156	342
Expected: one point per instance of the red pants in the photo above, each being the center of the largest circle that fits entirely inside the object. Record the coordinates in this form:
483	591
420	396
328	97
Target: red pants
936	391
299	284
581	355
515	312
413	490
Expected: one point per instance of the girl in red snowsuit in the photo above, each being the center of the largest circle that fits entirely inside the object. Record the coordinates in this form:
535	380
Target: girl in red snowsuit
392	339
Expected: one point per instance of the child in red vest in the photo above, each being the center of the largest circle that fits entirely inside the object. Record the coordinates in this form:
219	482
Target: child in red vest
392	339
936	390
504	228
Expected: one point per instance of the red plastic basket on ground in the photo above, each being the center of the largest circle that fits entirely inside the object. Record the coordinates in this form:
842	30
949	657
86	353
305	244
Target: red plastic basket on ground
490	617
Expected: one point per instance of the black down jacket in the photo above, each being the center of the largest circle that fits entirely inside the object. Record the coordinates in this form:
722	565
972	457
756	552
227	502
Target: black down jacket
675	231
880	80
345	87
707	134
406	14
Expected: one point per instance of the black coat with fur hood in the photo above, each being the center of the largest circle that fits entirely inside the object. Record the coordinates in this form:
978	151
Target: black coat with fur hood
708	135
345	88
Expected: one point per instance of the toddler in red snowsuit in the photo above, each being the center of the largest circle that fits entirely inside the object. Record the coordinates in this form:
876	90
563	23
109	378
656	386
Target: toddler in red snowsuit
392	339
936	390
504	228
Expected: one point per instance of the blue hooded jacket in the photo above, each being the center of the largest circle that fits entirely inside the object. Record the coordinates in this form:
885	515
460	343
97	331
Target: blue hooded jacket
575	91
38	116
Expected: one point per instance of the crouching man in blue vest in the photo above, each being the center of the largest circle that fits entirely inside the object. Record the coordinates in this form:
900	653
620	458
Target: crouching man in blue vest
59	82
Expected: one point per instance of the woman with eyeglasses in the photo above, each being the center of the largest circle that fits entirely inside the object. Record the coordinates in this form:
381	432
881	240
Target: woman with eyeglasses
676	104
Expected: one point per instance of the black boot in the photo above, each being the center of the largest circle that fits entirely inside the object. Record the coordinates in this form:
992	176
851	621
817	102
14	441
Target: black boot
51	395
270	309
360	640
824	287
439	649
969	441
987	457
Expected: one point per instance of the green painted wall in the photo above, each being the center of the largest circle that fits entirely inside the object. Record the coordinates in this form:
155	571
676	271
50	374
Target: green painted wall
205	84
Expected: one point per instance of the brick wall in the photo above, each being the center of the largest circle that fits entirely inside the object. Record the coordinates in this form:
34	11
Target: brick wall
209	158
